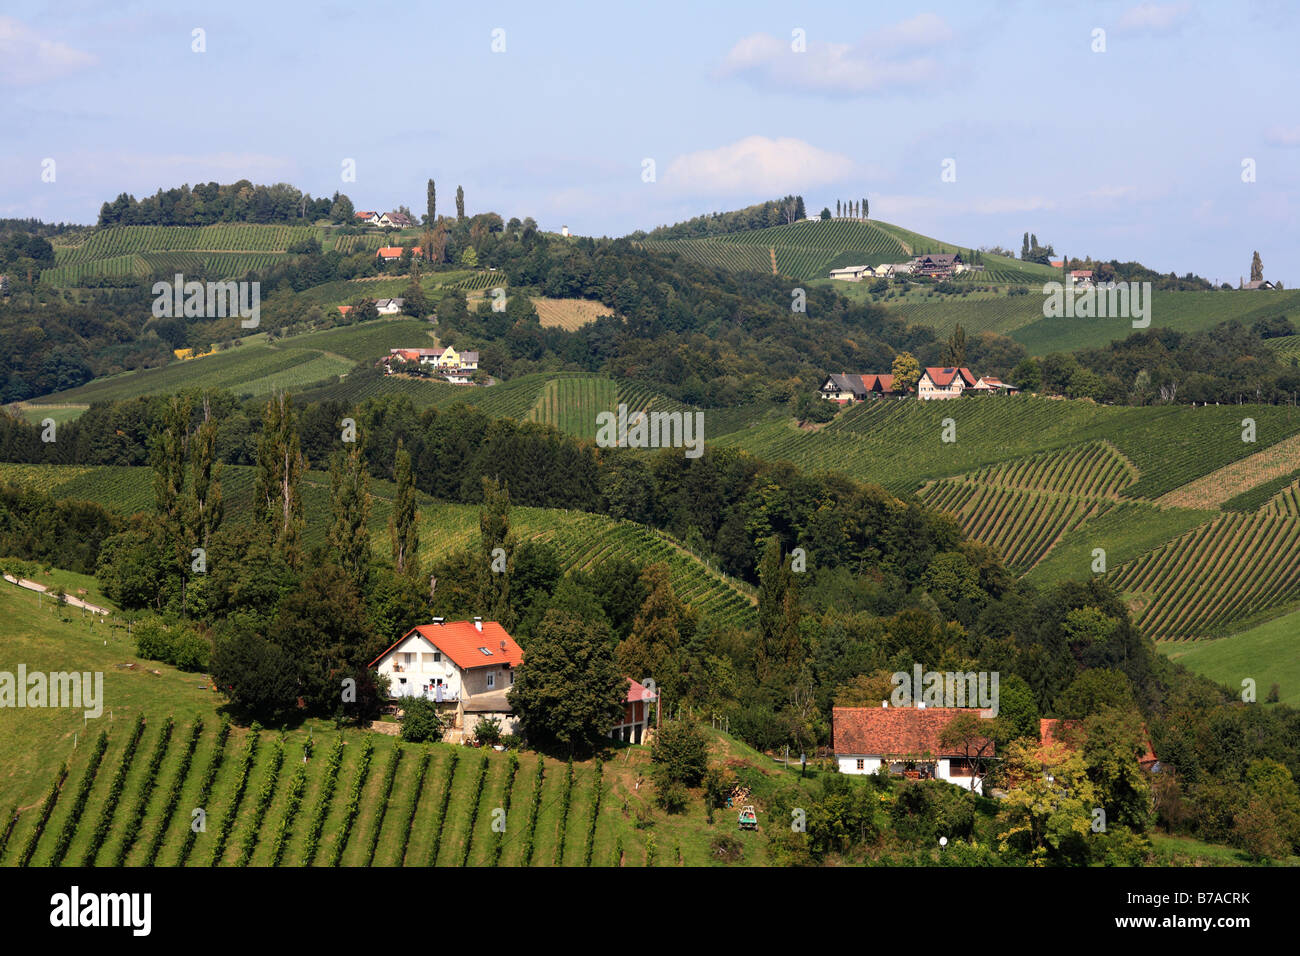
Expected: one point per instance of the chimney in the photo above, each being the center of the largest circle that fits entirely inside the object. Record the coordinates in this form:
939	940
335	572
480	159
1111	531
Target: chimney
437	620
478	623
884	704
503	647
920	705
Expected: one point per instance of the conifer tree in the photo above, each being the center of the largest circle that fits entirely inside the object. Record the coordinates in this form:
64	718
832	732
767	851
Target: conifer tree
280	466
349	534
432	203
403	524
460	202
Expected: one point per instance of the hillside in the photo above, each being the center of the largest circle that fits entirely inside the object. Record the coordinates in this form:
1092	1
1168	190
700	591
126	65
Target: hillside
1048	482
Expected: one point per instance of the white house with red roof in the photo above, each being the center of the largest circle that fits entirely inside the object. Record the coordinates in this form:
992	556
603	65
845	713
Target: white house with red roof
638	714
944	383
466	665
908	741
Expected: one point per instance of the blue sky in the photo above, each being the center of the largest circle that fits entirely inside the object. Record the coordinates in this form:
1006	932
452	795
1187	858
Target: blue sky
1134	153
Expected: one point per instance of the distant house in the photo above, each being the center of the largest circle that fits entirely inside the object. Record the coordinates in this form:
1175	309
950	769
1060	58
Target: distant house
1081	276
389	253
1259	284
907	742
851	273
367	216
844	388
938	265
1052	730
637	711
1057	263
451	359
467	667
389	306
936	383
397	220
344	309
991	385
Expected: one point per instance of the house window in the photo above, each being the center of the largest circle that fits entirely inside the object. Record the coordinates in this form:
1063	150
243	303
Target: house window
437	657
408	659
862	763
491	680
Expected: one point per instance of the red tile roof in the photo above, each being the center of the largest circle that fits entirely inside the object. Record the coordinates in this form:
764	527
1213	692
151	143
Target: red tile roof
638	692
895	731
462	642
390	252
943	376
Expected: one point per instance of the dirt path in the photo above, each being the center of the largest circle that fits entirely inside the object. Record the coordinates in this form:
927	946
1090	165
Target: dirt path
73	601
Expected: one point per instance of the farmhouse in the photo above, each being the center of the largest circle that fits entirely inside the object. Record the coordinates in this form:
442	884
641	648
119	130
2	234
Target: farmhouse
1082	277
991	385
846	388
906	740
389	253
397	220
943	383
1256	284
635	723
367	216
851	273
938	265
466	667
389	306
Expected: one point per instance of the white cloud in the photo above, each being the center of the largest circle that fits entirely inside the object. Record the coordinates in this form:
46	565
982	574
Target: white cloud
899	55
756	164
27	58
1283	136
1154	17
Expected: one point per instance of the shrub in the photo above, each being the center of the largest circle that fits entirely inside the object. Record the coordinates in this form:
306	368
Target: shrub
680	753
671	797
488	731
421	721
727	848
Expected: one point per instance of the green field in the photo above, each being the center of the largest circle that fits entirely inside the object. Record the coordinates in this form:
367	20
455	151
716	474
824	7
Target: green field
1265	653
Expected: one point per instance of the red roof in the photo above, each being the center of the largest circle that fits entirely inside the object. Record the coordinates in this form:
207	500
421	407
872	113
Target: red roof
345	309
896	731
1081	273
637	692
943	376
1050	728
364	214
464	644
390	252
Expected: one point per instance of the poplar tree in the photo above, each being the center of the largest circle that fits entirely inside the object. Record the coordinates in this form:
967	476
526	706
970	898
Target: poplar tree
1256	268
204	501
432	203
403	530
349	534
168	456
1024	248
460	202
778	612
280	466
494	534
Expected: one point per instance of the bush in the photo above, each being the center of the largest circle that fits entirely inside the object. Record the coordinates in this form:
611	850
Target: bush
488	731
421	721
680	754
727	848
179	646
671	797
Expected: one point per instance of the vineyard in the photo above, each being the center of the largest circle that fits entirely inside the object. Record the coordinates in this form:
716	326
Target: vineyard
1228	570
125	789
1021	525
572	404
229	237
804	250
1287	501
569	314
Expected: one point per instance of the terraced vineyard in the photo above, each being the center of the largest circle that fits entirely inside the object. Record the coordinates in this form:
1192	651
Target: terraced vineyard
1021	525
1095	469
1287	501
227	237
572	404
1210	580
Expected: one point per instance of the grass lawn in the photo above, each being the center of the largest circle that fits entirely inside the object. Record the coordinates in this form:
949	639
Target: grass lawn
1266	653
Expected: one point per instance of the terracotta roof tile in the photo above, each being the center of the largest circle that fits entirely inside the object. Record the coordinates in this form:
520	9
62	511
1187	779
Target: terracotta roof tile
895	731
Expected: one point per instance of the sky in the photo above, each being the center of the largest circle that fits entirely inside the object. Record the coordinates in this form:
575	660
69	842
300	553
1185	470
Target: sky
1168	133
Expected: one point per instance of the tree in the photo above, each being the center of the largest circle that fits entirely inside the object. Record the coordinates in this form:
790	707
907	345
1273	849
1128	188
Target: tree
568	692
955	349
169	455
837	209
349	533
651	648
341	210
825	213
680	754
420	720
469	257
1047	813
204	503
906	370
1024	247
432	203
778	612
1256	268
257	677
460	203
496	553
280	466
403	523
